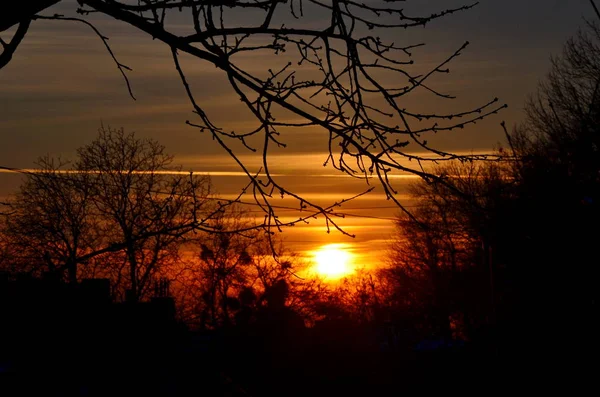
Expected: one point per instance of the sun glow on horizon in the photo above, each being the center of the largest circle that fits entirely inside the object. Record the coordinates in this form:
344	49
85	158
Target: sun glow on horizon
333	261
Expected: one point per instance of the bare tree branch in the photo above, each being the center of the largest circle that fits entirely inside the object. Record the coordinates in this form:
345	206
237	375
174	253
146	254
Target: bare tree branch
8	49
595	8
341	76
14	12
104	39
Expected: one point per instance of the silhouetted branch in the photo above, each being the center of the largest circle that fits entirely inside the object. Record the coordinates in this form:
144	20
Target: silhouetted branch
104	39
14	12
8	49
595	8
337	76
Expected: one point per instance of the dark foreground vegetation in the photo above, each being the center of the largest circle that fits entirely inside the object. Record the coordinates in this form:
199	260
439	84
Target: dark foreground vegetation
68	340
491	284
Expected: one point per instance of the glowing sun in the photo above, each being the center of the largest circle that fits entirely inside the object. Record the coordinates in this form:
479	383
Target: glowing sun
332	261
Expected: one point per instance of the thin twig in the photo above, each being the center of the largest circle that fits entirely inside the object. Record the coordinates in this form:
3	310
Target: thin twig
104	39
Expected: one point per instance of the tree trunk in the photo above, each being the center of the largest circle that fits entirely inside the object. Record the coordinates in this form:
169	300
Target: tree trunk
72	271
134	293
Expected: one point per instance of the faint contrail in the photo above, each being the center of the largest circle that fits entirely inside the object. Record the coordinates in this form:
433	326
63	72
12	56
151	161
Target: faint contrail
10	170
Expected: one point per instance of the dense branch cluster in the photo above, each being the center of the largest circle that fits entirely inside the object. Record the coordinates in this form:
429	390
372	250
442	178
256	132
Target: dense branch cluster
120	209
332	67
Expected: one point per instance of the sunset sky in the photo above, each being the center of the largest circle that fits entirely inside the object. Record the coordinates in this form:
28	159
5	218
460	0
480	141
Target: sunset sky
61	85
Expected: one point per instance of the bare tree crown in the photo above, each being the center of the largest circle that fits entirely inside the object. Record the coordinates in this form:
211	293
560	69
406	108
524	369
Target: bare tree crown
329	66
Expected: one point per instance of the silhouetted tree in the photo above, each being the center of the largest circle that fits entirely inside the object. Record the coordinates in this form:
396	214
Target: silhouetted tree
51	225
509	246
558	178
235	271
268	272
342	75
357	297
223	272
229	269
122	208
143	202
440	264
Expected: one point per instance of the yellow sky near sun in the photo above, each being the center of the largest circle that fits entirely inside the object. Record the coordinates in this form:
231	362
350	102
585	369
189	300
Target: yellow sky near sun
368	218
61	85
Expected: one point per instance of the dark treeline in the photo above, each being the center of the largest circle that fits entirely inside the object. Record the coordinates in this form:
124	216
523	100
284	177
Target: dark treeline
504	254
135	278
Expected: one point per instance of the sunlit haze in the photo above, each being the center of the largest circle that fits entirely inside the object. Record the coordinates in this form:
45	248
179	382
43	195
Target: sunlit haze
61	84
333	261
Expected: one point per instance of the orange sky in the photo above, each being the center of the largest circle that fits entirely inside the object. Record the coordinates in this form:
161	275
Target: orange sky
61	85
